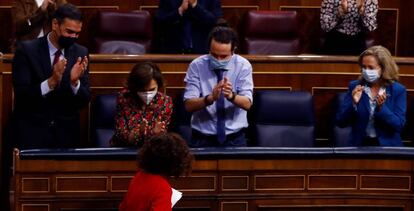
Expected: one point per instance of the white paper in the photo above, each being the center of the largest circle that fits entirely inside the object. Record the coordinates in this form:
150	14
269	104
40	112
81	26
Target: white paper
175	196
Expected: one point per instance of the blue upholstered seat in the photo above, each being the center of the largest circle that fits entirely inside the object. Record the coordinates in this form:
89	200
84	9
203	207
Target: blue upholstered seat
341	135
181	119
283	119
103	119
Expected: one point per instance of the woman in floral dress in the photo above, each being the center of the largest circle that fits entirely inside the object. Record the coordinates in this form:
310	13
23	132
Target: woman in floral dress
347	23
142	111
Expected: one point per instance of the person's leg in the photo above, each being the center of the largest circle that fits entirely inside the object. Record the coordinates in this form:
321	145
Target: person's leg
199	139
237	139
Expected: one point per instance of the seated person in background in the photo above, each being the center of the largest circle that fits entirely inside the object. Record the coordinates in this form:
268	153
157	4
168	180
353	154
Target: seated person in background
142	111
32	18
218	91
185	24
346	23
160	157
375	104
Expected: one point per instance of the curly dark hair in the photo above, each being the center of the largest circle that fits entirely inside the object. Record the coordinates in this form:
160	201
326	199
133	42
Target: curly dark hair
166	154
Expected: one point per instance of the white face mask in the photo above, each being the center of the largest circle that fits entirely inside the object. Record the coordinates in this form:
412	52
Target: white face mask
147	96
370	75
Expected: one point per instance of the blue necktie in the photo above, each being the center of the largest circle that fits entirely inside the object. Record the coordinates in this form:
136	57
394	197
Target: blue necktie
221	112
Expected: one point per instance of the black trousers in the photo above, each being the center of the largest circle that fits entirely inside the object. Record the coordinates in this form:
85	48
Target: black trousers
237	139
337	43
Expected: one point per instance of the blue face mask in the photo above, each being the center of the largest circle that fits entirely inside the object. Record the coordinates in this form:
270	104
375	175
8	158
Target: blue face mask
218	64
370	75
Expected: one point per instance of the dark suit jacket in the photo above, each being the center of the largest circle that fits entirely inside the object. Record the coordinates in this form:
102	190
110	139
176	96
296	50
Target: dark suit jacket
389	120
171	25
51	120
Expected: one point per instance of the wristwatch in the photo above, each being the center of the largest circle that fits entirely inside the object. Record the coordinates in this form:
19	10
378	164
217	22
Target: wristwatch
206	102
232	97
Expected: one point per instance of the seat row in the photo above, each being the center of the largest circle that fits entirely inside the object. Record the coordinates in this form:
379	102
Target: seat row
132	33
276	119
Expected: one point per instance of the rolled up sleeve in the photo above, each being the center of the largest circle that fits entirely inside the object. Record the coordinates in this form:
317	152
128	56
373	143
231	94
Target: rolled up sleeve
245	84
192	81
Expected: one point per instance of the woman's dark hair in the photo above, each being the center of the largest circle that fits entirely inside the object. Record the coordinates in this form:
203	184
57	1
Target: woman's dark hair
166	154
141	75
69	11
223	34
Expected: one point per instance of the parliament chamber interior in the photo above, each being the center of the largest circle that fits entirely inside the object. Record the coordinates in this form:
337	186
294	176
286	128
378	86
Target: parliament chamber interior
297	90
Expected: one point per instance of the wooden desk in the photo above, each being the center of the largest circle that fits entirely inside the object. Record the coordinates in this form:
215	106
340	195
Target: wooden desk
230	179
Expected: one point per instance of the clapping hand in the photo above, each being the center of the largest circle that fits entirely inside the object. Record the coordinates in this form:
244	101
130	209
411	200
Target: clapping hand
361	6
217	90
193	3
58	70
357	93
227	88
381	99
343	8
78	69
46	3
159	126
183	7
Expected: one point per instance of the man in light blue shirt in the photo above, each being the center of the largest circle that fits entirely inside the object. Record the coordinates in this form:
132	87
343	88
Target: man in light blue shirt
219	88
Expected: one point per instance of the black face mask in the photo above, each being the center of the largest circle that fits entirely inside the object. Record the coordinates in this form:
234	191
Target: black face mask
66	42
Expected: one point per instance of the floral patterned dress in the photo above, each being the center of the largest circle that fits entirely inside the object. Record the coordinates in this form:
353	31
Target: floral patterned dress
352	22
131	115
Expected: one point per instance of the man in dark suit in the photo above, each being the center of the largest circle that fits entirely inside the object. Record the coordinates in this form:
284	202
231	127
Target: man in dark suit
51	85
184	25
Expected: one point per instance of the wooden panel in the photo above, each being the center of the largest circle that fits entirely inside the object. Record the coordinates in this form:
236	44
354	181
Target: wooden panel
35	185
234	206
279	182
195	183
120	183
235	183
338	207
332	182
90	184
386	182
35	207
284	182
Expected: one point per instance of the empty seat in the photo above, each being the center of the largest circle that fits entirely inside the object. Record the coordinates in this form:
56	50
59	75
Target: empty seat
124	32
271	32
283	119
341	135
103	119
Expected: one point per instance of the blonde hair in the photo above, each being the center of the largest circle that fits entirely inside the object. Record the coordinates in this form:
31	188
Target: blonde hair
389	69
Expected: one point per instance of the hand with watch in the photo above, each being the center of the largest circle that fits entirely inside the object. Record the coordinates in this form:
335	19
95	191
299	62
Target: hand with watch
224	87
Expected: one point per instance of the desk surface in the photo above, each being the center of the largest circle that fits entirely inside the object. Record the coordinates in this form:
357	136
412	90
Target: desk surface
227	153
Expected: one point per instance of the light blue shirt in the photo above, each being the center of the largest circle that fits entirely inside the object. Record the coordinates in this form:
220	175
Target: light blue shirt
200	81
370	130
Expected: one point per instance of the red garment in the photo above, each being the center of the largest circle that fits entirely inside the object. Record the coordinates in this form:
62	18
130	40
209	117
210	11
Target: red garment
130	115
147	192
